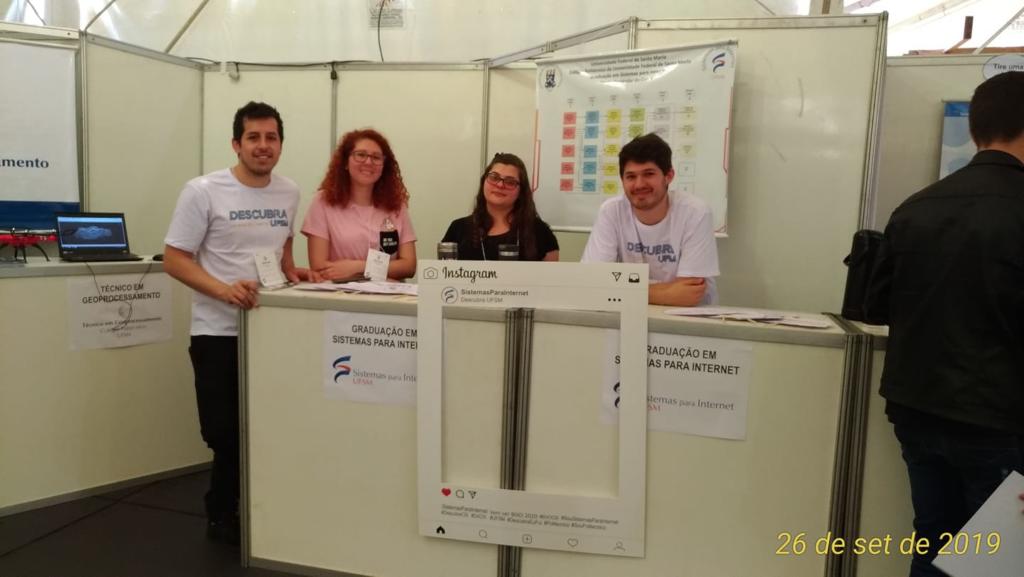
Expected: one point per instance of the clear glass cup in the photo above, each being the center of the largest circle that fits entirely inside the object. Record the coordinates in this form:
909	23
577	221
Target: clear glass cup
447	251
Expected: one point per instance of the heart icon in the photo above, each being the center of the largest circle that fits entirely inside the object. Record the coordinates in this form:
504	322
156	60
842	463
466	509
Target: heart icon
446	491
573	542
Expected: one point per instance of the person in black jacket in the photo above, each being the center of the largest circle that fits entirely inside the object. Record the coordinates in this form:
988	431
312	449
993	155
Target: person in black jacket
950	283
503	214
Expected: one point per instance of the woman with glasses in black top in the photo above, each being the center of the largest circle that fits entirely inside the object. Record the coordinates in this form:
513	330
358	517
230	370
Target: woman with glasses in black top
503	215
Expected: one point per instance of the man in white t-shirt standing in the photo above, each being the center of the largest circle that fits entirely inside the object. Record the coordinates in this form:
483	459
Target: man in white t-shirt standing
222	222
674	234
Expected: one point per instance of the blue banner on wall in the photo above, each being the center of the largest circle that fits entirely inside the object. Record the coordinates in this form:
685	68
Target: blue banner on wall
957	146
34	215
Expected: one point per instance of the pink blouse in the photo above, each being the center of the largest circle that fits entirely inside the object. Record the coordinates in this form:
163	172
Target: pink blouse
353	230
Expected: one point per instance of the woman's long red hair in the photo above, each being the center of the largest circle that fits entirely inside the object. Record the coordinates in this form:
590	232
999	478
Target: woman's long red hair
389	191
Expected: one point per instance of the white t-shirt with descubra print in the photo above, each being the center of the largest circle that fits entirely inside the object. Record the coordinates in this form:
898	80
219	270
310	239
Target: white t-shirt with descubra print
681	245
225	223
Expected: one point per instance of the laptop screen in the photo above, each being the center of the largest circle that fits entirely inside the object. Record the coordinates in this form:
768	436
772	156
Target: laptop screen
91	233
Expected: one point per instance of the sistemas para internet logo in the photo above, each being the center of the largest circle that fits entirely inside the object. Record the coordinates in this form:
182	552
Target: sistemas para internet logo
341	367
718	60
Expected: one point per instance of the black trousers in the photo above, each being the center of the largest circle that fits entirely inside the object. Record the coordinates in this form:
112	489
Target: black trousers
215	363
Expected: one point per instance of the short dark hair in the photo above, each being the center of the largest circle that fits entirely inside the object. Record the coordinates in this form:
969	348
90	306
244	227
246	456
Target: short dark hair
255	111
646	148
997	109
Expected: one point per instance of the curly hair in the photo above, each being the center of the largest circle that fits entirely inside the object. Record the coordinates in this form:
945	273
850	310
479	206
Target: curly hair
523	216
389	191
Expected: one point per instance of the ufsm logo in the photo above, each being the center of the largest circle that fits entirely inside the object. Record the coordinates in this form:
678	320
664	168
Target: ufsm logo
552	78
341	367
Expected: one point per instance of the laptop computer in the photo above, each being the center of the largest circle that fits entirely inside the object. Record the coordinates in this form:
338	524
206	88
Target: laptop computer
93	237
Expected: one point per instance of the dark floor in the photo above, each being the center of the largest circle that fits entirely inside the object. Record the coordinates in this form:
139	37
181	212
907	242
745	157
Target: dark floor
154	530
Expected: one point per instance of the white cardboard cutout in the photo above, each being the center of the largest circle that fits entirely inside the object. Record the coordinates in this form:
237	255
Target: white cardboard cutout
604	525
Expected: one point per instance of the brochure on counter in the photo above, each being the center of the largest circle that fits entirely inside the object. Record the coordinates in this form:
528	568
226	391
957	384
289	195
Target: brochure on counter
752	315
367	287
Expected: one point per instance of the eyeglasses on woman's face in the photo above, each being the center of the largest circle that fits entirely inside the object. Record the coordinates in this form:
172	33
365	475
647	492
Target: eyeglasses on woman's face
362	157
502	181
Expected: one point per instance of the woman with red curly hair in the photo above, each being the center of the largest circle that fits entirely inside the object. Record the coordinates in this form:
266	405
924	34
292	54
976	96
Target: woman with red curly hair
361	205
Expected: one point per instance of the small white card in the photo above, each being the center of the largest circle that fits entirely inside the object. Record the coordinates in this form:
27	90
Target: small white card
269	270
376	265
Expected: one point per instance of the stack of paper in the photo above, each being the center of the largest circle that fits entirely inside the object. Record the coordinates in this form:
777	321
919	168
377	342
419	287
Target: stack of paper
368	287
327	287
738	314
380	288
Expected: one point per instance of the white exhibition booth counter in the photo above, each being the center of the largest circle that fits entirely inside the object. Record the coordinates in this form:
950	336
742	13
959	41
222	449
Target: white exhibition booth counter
76	420
331	484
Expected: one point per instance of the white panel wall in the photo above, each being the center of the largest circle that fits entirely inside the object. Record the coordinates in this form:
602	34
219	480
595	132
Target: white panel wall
714	507
512	128
76	420
433	120
73	421
354	464
885	507
303	97
798	151
143	138
511	118
436	134
915	89
800	131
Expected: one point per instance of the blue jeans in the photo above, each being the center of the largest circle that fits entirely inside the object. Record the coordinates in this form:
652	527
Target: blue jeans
951	476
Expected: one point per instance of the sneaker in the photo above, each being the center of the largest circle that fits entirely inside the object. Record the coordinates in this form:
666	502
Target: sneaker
225	531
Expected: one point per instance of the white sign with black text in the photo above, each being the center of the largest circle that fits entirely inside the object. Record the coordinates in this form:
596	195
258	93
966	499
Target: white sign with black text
121	310
38	125
590	106
370	358
695	385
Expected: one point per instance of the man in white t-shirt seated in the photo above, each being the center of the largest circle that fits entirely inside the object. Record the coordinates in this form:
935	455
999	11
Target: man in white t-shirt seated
671	233
224	221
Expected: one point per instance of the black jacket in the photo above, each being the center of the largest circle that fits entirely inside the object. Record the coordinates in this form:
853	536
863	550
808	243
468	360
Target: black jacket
949	281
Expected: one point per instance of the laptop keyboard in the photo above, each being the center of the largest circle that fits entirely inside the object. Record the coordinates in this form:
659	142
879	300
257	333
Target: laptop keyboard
101	257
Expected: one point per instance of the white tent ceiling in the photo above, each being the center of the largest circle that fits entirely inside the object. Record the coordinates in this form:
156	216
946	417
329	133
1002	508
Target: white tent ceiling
458	30
939	24
323	30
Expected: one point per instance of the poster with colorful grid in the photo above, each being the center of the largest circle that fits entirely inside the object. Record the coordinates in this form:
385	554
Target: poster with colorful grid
588	107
